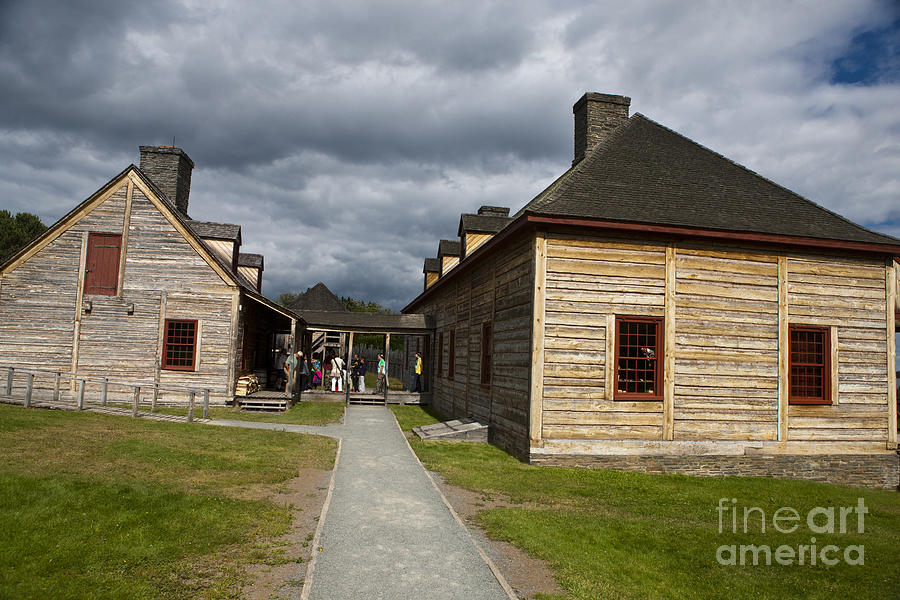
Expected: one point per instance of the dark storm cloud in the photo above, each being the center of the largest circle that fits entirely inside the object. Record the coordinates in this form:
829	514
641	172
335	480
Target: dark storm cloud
346	138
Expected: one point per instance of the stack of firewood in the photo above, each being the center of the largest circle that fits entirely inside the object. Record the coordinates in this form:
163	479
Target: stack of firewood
246	385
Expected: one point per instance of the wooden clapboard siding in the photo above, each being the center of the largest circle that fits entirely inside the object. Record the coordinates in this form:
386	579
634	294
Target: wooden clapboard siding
848	296
224	249
726	355
119	337
251	273
496	291
475	241
447	263
587	279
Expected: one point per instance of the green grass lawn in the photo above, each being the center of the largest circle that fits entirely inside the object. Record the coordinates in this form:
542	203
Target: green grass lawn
98	506
302	413
608	534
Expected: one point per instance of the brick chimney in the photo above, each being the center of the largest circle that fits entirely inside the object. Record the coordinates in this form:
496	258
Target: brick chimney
596	115
170	169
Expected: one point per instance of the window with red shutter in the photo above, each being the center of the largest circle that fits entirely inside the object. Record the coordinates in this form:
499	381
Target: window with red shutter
101	273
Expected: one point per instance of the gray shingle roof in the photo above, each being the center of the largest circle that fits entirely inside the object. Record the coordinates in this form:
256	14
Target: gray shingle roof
219	231
250	260
448	248
646	173
318	298
432	265
481	223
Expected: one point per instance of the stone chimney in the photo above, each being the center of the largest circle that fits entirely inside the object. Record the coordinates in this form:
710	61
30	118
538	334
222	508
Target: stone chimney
596	115
170	169
493	211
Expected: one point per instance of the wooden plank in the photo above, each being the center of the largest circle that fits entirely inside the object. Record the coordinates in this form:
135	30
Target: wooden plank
609	432
126	226
79	298
668	432
624	418
563	265
609	366
728	290
834	270
606	254
835	398
783	350
890	286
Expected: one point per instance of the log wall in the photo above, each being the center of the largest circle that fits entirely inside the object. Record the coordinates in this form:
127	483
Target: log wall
43	327
722	330
496	291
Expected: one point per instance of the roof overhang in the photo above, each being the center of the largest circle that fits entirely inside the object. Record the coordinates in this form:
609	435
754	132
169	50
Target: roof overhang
531	221
362	322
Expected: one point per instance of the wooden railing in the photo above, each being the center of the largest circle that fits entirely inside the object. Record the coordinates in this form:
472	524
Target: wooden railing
28	377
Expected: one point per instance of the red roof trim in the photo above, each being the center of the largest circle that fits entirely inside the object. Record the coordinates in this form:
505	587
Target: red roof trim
677	230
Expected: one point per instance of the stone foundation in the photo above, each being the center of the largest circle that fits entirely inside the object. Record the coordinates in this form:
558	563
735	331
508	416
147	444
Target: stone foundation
880	471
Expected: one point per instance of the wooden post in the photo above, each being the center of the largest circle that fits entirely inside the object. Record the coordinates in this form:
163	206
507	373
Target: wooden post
9	380
784	382
669	350
387	354
136	400
103	390
80	400
191	407
536	404
29	383
56	387
349	369
155	398
890	304
206	404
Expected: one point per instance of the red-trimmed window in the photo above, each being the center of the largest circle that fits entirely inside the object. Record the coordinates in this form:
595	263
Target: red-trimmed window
451	365
440	354
101	270
180	344
638	362
486	351
810	366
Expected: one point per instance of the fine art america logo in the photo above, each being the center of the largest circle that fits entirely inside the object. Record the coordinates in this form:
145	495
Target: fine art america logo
823	521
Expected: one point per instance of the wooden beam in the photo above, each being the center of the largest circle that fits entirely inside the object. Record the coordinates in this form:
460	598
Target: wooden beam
669	365
348	364
537	340
610	361
835	398
890	302
79	299
386	356
783	350
123	253
234	338
161	336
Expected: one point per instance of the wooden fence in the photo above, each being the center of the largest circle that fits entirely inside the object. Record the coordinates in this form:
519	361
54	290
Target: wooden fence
48	386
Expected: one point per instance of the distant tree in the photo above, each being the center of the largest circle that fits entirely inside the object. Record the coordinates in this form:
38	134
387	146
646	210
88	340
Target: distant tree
16	232
287	298
355	305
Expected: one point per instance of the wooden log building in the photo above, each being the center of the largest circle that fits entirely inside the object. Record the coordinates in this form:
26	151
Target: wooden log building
662	308
127	286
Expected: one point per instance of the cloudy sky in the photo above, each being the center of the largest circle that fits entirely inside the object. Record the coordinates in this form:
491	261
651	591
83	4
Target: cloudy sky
347	137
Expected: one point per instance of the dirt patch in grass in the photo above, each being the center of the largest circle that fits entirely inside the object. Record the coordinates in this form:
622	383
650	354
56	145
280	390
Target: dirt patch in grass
282	566
530	577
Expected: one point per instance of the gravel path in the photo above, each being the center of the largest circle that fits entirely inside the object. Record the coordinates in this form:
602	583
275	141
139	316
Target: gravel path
387	531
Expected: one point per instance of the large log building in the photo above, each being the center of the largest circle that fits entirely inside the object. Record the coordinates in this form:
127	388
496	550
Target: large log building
662	308
128	287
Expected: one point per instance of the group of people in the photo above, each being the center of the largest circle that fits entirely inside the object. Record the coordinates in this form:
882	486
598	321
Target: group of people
310	373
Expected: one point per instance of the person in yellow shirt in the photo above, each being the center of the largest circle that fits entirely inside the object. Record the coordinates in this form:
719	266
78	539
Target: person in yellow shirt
417	381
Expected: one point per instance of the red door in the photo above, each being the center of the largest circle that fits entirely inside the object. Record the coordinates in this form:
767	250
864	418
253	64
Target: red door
101	273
